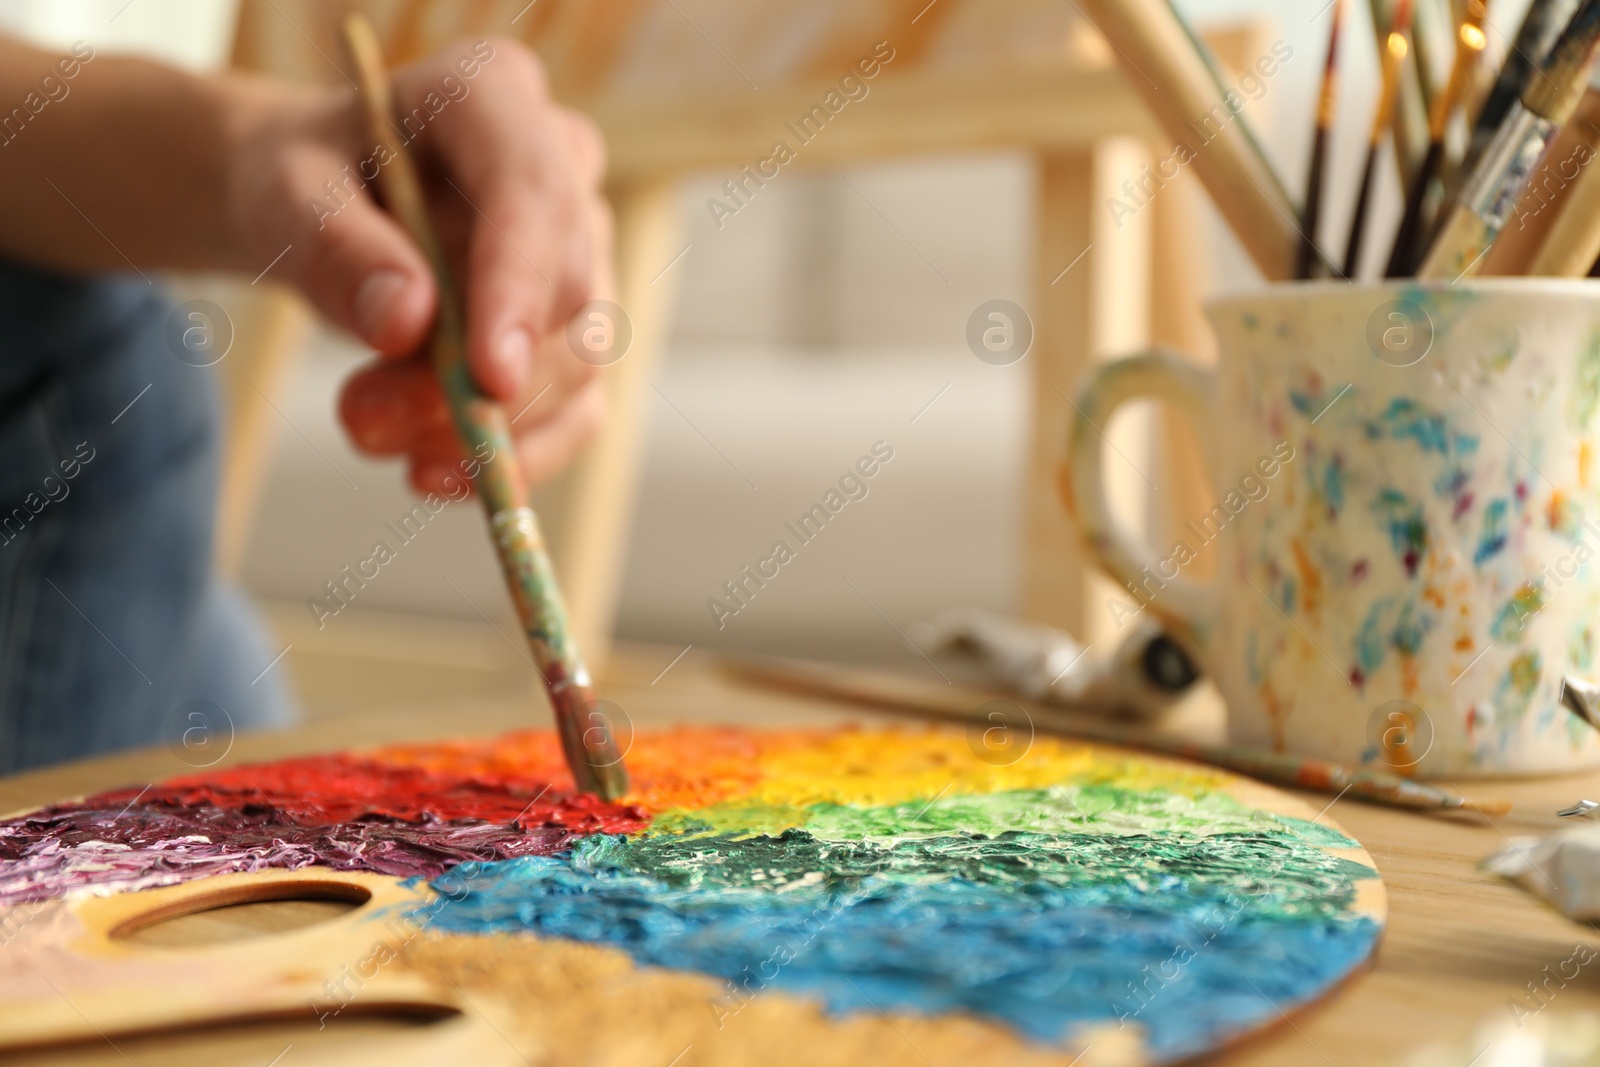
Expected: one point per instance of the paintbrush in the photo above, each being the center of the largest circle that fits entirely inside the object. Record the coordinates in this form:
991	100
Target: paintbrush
1155	51
1433	36
1307	259
1410	127
586	740
1228	94
1395	47
1541	25
1408	241
888	692
1475	218
1568	244
1543	199
1572	245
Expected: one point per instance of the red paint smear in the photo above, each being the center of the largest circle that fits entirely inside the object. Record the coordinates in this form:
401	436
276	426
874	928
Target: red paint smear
519	776
328	789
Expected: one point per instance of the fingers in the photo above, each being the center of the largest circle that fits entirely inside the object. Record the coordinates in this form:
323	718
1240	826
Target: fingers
543	450
369	277
587	144
387	405
511	298
514	186
311	218
395	408
523	174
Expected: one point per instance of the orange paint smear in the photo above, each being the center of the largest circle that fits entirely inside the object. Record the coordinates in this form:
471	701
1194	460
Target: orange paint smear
1408	676
684	768
1310	576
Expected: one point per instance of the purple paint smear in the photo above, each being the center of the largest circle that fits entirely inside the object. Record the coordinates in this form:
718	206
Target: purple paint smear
56	850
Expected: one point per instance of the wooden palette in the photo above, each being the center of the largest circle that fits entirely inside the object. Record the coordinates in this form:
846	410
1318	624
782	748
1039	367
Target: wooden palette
1059	938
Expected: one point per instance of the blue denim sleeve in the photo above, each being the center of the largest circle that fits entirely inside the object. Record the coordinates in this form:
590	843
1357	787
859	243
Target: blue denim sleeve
114	629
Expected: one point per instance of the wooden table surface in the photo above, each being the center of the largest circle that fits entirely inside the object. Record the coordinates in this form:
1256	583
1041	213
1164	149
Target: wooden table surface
1460	944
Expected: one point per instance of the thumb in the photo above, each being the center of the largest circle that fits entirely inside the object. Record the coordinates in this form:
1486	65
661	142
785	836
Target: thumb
362	270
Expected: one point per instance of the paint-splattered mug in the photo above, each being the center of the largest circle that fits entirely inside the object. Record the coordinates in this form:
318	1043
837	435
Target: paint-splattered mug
1407	506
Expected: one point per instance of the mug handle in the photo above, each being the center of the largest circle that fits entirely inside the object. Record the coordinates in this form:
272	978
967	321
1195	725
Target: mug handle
1164	375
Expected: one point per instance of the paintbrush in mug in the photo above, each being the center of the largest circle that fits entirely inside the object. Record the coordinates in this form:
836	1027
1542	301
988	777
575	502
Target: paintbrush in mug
1572	245
1541	26
1410	127
1544	198
888	692
1491	191
1227	93
586	740
1409	240
1395	48
1163	64
1433	37
1307	260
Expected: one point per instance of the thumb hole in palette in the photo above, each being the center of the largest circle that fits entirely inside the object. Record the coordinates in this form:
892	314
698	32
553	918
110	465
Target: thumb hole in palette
241	913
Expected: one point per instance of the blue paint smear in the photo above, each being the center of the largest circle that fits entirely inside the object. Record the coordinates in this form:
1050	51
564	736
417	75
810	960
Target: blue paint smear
1289	597
1333	483
1412	627
1327	481
1406	418
1371	641
1193	937
1408	527
1376	637
1493	538
1452	482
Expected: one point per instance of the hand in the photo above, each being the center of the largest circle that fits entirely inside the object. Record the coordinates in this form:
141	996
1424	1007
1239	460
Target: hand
513	181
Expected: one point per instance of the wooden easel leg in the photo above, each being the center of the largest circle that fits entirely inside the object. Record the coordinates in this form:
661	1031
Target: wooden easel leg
1053	569
1092	278
270	329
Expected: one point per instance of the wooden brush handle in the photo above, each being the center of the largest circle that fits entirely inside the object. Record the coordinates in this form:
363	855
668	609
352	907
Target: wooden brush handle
586	737
1162	64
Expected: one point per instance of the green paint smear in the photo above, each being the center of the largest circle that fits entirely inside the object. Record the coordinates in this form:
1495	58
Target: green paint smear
1586	397
1506	627
1090	809
1524	673
1317	834
1283	874
1515	690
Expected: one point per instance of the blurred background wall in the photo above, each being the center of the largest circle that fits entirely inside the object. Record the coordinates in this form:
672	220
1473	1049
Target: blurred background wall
823	318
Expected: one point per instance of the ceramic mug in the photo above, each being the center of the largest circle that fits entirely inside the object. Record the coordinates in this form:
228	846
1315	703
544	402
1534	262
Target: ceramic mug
1408	502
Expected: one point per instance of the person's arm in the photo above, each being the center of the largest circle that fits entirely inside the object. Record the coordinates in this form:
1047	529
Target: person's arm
110	162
